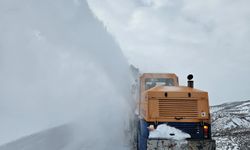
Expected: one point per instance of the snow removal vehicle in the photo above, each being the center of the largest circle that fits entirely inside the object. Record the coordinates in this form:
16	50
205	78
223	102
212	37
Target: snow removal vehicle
163	101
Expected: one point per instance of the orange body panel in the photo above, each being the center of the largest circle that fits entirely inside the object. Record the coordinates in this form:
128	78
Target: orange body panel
172	103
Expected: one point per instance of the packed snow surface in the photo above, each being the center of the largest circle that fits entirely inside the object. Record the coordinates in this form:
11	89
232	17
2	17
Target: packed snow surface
167	132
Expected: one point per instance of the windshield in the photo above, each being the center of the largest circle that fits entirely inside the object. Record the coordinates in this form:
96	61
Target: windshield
152	82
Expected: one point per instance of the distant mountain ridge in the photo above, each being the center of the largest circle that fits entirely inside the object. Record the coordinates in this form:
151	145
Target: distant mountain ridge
231	125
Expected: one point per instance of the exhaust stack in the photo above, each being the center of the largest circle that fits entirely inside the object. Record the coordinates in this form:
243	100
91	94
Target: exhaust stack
190	82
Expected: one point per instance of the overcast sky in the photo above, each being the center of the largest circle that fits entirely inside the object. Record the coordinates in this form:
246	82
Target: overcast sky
210	39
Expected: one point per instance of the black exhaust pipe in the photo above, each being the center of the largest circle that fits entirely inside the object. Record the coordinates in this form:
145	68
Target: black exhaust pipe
190	82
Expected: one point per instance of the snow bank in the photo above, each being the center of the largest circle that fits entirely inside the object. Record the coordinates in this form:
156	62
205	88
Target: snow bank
167	132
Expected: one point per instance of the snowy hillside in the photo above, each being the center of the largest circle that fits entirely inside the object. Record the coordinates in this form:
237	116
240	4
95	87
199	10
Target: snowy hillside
231	125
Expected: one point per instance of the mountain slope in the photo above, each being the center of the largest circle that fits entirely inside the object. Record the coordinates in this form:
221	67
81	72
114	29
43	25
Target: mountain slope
231	125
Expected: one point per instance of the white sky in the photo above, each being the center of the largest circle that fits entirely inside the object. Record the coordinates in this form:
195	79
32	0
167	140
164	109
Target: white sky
210	39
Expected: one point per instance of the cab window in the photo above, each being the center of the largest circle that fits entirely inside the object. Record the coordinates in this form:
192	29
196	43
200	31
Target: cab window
152	82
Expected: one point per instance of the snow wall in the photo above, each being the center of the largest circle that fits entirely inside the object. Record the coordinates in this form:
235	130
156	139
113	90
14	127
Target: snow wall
58	64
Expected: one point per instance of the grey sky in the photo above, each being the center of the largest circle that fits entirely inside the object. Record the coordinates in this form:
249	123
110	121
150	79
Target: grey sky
207	38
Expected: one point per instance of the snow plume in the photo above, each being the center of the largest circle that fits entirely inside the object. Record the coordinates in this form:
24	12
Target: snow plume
58	64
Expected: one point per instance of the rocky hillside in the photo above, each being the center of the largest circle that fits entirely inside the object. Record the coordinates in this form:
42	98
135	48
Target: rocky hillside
231	125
